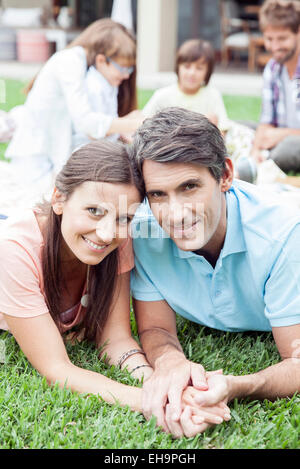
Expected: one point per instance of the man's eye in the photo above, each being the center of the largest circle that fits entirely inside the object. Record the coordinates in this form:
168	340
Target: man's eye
189	187
96	211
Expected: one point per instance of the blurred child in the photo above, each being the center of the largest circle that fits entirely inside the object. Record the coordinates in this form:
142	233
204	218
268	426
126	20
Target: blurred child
60	114
194	67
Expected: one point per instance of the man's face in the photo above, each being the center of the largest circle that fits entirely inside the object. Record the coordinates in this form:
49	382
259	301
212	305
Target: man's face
188	202
281	42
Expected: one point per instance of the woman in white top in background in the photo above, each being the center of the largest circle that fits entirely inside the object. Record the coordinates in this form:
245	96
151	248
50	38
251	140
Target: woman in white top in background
60	113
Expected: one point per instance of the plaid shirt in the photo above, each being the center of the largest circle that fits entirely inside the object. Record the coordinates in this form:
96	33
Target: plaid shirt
273	94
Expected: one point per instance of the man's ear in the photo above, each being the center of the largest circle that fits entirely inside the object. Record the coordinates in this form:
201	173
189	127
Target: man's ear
57	201
227	177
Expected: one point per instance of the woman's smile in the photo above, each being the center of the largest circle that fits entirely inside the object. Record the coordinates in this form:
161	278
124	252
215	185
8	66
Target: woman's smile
95	246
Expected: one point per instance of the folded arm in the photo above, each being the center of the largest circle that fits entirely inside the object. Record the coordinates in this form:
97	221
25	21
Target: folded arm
43	345
116	338
41	342
167	393
267	137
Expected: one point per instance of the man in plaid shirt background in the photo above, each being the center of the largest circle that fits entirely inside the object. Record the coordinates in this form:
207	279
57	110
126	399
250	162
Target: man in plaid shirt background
278	134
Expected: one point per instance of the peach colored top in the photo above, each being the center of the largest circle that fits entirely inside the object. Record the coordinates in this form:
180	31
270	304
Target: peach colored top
21	277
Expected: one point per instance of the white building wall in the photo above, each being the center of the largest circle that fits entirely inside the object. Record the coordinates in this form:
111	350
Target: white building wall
156	35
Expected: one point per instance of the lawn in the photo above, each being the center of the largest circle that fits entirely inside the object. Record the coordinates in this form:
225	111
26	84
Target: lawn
238	107
33	415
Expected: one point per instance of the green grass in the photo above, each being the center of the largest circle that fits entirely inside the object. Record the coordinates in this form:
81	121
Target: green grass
238	107
34	415
14	95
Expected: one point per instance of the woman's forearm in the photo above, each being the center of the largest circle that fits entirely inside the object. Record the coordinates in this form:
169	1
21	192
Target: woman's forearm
136	363
90	382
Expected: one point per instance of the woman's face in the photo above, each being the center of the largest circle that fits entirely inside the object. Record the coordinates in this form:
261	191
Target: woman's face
95	219
191	75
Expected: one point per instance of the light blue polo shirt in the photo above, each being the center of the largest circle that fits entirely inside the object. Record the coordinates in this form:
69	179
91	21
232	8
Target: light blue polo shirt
255	284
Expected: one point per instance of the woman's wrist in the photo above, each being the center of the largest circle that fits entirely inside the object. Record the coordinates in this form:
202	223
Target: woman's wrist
142	372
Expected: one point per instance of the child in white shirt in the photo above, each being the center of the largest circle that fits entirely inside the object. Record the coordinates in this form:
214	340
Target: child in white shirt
60	114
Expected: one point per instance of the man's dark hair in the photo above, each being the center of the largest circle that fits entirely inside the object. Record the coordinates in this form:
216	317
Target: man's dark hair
176	135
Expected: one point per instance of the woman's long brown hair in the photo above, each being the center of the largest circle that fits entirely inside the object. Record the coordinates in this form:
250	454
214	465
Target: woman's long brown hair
113	40
100	161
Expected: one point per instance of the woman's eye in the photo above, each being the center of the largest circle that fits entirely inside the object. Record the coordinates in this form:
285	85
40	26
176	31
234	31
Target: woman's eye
96	211
155	195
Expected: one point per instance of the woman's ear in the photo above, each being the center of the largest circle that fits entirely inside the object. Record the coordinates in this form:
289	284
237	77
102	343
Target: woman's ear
227	176
100	59
57	201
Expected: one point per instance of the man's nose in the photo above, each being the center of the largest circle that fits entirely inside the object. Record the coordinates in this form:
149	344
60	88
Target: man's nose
275	46
177	212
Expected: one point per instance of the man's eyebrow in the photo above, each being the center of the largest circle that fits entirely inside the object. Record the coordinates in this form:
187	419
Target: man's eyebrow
196	181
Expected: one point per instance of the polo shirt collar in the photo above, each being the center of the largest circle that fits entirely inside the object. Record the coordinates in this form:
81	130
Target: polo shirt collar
234	238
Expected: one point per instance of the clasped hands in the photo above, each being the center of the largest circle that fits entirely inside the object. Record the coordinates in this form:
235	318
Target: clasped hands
185	399
266	138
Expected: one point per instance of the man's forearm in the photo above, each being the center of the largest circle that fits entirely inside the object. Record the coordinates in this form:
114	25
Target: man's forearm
158	343
277	381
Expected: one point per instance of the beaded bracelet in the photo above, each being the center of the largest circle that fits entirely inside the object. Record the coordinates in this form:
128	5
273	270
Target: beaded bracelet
127	355
140	366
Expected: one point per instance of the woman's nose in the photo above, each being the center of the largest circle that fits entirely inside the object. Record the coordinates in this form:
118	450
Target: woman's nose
106	230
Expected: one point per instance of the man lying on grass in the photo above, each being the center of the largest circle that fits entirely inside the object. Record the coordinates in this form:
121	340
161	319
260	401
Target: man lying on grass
215	251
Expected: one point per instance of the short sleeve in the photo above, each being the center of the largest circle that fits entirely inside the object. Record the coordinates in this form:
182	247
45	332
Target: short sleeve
282	289
20	289
126	257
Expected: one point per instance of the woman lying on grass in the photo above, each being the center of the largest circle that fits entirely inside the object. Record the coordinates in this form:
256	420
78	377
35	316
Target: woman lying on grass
65	267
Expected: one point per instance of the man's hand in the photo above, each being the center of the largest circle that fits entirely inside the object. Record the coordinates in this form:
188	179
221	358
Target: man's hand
194	420
267	136
219	391
271	137
258	155
189	425
172	375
